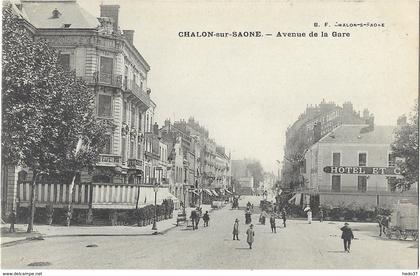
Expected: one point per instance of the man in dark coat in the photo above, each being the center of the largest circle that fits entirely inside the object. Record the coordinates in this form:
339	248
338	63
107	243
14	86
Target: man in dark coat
273	223
347	236
321	215
206	219
283	216
12	219
193	218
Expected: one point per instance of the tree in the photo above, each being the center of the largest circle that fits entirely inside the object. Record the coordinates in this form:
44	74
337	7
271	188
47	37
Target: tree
48	119
406	150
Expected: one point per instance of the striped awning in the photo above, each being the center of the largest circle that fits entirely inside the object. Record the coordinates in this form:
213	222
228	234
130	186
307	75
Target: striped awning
214	192
229	192
208	192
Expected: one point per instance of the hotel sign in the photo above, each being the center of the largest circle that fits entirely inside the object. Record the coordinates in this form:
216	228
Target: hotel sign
362	170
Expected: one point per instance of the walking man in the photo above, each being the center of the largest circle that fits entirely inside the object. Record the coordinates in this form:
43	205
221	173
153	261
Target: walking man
283	216
379	219
321	215
193	218
250	236
236	230
12	218
206	219
273	224
347	236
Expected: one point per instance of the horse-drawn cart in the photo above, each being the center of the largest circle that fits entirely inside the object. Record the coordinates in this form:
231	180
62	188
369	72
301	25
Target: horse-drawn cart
404	222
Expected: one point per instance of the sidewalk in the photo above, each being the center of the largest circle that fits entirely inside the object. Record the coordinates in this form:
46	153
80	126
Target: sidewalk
50	231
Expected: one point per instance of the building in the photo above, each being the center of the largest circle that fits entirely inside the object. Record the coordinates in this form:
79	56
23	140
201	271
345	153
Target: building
311	126
242	177
353	166
99	52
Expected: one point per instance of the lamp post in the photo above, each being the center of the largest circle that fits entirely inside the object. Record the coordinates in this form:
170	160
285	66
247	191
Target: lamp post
155	189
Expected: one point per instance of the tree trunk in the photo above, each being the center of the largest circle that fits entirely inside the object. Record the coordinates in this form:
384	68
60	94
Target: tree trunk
32	208
71	198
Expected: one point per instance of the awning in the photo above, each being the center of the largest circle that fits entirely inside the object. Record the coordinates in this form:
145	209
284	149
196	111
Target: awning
229	192
147	195
208	192
214	192
194	192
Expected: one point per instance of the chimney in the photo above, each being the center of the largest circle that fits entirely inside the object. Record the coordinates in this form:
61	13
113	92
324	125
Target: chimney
156	129
111	11
317	131
129	35
402	121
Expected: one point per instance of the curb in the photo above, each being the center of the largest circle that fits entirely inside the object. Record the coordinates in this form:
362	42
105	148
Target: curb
42	237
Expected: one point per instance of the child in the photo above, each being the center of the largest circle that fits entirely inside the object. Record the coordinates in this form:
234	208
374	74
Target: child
347	236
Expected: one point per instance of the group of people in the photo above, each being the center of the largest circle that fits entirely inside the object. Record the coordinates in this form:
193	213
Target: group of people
250	233
196	216
383	222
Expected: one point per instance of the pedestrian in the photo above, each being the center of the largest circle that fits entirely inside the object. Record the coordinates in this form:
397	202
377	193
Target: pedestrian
385	224
273	223
247	217
379	219
236	230
283	216
197	219
193	218
309	213
347	236
12	219
206	219
250	236
262	217
321	215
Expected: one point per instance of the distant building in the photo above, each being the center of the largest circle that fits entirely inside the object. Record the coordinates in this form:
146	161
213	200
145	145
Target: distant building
310	127
354	166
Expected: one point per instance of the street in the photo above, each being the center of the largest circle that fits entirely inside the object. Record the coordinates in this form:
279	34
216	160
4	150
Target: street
299	246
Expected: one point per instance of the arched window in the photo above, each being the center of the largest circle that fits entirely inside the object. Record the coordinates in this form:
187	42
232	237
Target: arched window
22	176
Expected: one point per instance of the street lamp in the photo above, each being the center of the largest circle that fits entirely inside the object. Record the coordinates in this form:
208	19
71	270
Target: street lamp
155	189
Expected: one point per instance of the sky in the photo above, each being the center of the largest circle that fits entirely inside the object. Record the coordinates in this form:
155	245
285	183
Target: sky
247	91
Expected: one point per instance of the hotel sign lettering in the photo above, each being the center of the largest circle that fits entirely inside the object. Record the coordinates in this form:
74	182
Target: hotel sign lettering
362	170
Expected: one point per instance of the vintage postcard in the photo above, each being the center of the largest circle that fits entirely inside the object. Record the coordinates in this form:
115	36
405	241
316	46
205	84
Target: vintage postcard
209	134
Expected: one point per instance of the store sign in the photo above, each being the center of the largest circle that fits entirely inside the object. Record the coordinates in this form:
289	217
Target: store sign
362	170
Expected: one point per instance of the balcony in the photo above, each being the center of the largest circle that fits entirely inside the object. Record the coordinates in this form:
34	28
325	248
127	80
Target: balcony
135	164
105	79
131	86
109	160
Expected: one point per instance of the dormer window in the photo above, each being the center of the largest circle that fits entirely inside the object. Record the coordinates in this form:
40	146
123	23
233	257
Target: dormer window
56	13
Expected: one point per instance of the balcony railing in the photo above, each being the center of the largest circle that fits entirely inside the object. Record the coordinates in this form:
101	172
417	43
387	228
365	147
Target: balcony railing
105	79
135	163
130	85
108	159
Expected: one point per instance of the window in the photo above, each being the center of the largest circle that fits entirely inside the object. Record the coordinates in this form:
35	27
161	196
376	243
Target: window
392	184
132	149
361	184
147	123
336	159
140	121
105	106
123	149
391	160
139	151
106	69
133	116
108	145
124	111
336	183
362	159
64	61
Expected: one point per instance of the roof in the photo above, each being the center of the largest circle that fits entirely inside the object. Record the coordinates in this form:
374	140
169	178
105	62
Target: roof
40	14
352	134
